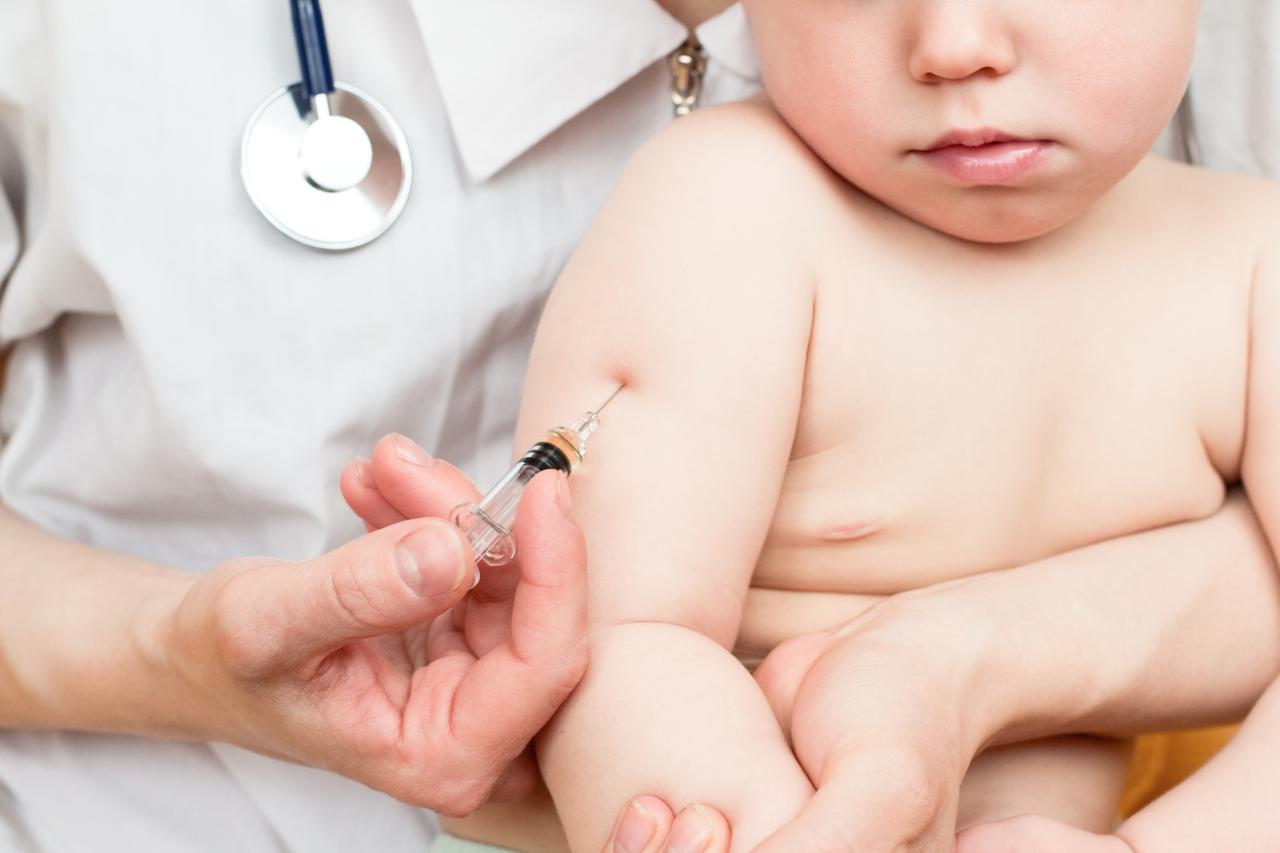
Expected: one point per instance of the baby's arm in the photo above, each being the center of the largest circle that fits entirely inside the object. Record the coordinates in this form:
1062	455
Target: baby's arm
687	293
1230	804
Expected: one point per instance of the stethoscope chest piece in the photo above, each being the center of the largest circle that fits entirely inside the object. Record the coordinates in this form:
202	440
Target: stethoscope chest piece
284	155
324	162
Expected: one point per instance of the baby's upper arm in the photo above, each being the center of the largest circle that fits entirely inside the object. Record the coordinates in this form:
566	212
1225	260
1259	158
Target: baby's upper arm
690	290
1261	462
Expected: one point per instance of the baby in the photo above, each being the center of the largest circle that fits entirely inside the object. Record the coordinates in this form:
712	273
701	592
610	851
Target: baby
927	311
1228	805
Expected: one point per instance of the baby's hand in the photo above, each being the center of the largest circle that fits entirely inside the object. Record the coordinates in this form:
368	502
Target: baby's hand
1036	833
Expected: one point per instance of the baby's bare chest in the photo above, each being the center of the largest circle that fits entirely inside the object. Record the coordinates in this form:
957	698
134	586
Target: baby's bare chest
957	420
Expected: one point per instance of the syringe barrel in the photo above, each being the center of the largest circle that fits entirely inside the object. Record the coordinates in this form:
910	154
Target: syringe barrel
487	524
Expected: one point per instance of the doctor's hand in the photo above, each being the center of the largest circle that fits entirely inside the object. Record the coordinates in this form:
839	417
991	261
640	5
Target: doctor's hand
352	661
402	481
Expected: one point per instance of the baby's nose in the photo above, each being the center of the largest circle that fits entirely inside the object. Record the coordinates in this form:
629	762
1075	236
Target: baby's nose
957	40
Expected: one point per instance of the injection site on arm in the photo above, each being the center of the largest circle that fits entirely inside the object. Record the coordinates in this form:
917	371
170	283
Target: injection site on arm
488	523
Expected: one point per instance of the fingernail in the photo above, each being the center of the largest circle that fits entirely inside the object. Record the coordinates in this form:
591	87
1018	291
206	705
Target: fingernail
364	472
408	451
636	831
564	499
430	560
691	832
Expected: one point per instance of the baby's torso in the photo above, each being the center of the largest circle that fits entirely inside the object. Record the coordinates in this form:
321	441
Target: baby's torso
967	409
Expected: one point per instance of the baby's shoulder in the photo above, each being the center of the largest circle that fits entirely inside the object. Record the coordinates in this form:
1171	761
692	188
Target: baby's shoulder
724	138
711	214
735	164
1243	210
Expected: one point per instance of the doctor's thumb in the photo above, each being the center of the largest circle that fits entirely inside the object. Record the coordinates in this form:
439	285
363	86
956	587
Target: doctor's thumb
384	582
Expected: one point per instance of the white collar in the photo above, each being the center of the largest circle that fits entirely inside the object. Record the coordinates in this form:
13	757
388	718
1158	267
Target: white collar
511	72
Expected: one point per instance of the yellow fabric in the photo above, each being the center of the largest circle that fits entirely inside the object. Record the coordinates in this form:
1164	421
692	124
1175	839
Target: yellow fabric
1161	761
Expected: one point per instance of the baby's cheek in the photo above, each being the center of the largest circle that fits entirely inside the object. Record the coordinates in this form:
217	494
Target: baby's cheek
1121	82
842	112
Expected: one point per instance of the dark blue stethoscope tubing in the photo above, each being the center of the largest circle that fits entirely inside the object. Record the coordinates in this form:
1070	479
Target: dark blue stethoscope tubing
313	49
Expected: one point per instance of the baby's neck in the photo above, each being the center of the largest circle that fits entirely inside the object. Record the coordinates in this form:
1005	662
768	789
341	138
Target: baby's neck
692	13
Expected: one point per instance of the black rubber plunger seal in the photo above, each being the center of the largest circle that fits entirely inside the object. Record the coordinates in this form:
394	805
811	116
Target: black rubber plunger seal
545	456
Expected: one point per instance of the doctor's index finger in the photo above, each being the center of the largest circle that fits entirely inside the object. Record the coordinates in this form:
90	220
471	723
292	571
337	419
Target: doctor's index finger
361	494
416	484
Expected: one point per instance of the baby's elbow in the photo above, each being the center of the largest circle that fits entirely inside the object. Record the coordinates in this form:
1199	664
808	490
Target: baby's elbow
718	627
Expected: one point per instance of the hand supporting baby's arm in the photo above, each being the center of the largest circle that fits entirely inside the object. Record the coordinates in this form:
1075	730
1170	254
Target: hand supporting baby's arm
1122	636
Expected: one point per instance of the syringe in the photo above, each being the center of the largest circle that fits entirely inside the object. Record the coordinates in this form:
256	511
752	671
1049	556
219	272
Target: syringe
487	525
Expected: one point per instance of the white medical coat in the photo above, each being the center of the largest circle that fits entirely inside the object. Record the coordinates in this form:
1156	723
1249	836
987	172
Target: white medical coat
187	383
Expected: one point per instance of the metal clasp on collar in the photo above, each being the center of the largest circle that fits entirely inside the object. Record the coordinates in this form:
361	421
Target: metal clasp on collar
688	64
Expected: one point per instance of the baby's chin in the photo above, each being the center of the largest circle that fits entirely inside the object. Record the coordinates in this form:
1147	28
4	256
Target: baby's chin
1007	220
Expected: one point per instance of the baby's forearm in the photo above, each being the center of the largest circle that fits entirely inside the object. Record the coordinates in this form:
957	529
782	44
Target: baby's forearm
665	710
1229	804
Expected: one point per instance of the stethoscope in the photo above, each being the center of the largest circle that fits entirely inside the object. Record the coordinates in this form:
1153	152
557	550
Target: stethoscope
324	162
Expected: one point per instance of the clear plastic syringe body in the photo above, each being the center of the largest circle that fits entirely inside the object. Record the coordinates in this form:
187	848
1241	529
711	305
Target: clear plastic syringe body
487	524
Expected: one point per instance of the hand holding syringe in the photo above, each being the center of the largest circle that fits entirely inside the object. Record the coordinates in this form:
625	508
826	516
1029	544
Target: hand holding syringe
487	524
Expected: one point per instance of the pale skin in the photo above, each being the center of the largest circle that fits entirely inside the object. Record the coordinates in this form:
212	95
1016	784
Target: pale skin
691	13
1229	804
1099	630
323	662
922	403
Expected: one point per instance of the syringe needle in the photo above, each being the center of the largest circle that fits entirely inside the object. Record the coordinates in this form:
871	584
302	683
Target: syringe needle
607	402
